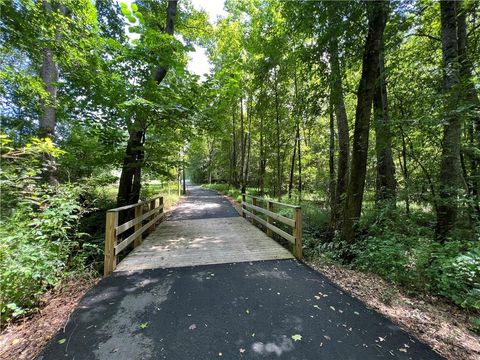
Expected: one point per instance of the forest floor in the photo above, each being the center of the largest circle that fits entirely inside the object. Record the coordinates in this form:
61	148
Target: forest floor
436	322
25	338
439	324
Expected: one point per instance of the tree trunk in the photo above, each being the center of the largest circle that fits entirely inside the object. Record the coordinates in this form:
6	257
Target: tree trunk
300	185
337	101
161	71
472	104
242	148
234	150
405	172
366	89
278	185
48	120
385	183
292	165
331	162
450	170
249	144
262	165
130	178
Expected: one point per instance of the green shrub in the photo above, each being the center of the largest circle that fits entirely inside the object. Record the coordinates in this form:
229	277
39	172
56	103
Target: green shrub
40	241
459	278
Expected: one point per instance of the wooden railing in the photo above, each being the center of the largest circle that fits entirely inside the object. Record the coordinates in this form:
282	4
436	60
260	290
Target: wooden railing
296	223
149	210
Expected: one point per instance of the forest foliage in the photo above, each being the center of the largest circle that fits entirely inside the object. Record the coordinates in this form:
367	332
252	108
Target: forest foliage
364	112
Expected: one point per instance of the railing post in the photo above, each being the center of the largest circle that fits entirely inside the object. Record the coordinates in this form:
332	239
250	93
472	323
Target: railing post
243	206
297	232
153	205
160	203
254	203
138	213
110	261
269	219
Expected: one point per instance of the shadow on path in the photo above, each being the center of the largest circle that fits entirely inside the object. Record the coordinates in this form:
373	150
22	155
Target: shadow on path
278	309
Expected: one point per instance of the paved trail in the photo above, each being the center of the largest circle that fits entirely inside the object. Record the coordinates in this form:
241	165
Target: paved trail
275	309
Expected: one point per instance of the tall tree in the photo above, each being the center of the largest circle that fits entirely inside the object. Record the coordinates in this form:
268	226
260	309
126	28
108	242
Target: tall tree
385	182
130	178
378	11
338	104
471	101
450	170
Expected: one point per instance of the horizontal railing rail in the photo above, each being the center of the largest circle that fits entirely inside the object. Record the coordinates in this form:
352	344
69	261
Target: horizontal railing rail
251	210
150	210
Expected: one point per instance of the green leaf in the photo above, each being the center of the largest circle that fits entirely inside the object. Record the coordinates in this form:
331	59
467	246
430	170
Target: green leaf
297	337
62	341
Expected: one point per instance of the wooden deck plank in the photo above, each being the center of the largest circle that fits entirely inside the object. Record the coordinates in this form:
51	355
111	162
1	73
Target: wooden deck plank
203	242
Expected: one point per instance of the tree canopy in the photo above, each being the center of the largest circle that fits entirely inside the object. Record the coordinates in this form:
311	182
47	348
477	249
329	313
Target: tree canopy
366	113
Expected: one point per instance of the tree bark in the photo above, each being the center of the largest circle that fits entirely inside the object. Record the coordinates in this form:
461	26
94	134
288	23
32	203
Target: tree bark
450	170
337	101
472	104
292	165
263	163
331	162
242	148
48	120
130	178
353	204
299	151
386	184
278	185
234	150
406	175
249	142
161	71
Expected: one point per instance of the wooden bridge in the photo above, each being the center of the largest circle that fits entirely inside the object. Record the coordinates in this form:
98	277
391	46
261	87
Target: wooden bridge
204	229
232	306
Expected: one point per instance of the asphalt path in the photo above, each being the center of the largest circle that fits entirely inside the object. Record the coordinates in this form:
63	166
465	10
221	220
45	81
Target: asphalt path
278	309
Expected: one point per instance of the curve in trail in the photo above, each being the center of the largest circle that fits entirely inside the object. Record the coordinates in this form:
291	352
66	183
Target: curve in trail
276	309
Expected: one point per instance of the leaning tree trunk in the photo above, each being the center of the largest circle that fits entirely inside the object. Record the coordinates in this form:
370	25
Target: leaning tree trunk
297	136
130	178
337	101
366	89
386	183
292	164
450	169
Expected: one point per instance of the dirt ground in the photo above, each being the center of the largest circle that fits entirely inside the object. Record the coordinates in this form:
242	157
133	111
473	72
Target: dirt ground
26	338
441	325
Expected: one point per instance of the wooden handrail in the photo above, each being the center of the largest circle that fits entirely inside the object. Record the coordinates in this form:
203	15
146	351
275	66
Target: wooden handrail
295	223
153	212
273	202
131	206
